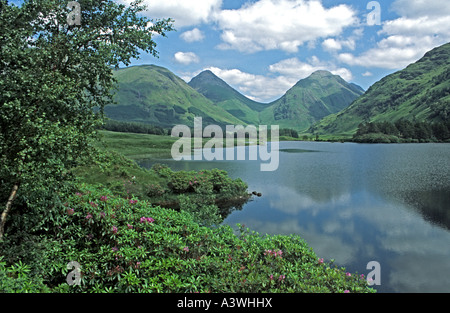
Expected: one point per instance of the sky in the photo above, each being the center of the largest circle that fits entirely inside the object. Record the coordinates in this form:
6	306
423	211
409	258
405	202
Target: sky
263	47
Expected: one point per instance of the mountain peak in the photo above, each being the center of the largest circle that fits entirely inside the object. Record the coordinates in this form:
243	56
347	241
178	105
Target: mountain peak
314	97
209	78
322	73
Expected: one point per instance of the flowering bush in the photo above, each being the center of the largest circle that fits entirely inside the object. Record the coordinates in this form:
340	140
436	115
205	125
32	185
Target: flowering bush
155	190
135	247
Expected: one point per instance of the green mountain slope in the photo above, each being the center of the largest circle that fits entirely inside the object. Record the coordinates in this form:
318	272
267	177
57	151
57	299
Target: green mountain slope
154	95
223	95
420	92
310	100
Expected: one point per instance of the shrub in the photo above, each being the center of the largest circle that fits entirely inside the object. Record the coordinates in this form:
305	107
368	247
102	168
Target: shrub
155	190
17	279
129	246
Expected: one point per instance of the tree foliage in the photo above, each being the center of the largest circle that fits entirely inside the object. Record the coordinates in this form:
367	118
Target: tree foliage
55	80
133	127
403	131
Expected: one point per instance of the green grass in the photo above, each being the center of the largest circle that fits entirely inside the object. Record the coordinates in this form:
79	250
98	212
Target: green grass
137	146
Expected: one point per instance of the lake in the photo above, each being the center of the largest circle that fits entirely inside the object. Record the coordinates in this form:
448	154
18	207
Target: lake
355	203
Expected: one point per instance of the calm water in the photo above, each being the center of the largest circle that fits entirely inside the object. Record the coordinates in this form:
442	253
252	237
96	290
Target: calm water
356	204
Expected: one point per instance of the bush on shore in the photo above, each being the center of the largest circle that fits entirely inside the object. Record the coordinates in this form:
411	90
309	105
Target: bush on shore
128	245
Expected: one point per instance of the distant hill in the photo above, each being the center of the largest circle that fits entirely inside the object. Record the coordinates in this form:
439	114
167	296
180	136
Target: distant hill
153	95
308	101
223	95
420	92
311	99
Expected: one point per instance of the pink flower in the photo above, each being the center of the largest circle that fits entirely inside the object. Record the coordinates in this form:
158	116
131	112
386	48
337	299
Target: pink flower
89	216
70	212
274	253
147	220
186	249
282	277
130	226
104	198
114	230
271	277
93	204
320	260
348	274
133	201
347	291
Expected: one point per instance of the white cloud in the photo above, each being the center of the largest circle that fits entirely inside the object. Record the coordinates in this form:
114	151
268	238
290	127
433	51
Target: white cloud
281	24
295	69
286	74
423	25
393	52
331	44
186	58
184	12
193	35
257	87
418	8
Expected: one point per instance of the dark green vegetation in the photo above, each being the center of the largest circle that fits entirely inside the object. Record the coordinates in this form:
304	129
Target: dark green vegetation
209	195
419	93
128	245
402	131
132	127
53	78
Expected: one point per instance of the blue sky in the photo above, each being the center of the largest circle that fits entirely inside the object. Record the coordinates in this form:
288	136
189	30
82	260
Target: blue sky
263	47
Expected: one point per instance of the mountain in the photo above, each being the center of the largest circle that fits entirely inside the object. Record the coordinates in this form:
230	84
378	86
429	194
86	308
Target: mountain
224	96
311	99
154	95
420	92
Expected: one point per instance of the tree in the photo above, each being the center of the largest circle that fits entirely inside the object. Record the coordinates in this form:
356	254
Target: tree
55	80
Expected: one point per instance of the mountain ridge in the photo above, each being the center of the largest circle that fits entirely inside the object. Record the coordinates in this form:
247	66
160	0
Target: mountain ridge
420	92
154	95
331	95
310	99
226	97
